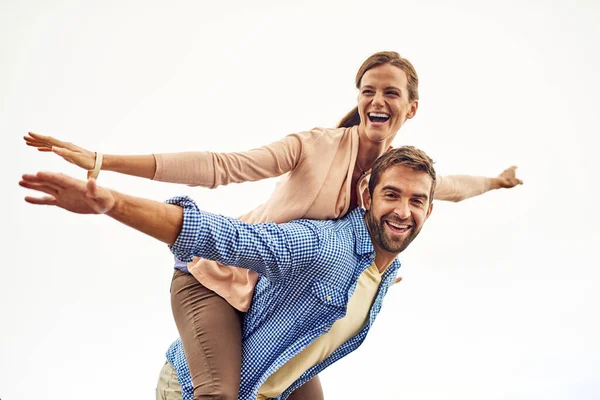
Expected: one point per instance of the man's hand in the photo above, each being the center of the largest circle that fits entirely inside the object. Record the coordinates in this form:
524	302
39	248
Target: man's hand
507	179
68	193
159	220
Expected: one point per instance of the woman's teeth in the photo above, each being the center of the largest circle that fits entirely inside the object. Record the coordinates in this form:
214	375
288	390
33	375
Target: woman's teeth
378	117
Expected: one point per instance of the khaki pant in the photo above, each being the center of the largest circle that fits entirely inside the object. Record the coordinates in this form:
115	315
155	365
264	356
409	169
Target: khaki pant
211	333
168	387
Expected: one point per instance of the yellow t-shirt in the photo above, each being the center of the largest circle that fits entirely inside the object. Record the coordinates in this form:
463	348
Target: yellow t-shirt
341	331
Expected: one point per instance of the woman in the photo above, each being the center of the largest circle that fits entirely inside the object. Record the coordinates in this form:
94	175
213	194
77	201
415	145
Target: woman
328	169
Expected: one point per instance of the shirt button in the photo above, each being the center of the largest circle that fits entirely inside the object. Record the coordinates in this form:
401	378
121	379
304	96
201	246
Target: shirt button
372	256
328	298
326	329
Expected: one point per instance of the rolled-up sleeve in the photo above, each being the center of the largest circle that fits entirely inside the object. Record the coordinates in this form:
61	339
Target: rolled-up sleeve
188	237
273	250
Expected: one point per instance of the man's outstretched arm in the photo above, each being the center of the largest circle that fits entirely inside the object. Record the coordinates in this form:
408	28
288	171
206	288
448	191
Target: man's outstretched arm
159	220
269	249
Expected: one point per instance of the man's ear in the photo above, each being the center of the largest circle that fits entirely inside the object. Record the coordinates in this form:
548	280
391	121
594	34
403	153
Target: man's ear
429	211
366	199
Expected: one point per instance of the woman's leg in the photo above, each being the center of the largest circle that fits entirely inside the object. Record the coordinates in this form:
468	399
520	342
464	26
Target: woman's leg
211	332
311	390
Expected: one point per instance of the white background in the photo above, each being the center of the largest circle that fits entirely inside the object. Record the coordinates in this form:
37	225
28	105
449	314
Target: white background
499	298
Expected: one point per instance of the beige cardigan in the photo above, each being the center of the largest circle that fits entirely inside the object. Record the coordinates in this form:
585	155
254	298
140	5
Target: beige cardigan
320	163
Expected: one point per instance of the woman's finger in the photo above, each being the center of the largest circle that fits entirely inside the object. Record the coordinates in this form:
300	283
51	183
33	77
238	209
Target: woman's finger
36	140
61	151
67	155
49	140
35	143
40	148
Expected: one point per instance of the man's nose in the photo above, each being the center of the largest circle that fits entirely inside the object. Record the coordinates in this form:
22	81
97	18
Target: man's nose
403	210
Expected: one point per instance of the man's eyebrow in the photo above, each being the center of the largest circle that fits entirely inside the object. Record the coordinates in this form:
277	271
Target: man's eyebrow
420	196
386	88
398	190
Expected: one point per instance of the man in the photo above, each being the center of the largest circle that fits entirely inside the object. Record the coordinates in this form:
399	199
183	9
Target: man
322	282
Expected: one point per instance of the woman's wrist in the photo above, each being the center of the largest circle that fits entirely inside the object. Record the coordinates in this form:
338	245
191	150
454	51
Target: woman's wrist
495	183
107	162
142	166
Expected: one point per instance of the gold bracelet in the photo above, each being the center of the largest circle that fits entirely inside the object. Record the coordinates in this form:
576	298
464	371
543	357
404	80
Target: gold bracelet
96	171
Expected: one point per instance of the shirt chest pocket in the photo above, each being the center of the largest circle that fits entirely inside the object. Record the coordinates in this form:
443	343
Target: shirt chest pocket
329	295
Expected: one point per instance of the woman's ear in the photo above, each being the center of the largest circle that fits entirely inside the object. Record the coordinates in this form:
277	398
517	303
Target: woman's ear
413	109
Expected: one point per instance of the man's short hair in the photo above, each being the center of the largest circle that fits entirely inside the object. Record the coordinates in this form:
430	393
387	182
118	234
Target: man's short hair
407	156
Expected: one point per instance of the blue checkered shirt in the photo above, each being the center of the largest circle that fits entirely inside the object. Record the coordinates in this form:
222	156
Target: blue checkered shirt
308	272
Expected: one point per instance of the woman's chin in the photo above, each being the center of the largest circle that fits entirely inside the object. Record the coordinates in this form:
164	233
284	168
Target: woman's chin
380	135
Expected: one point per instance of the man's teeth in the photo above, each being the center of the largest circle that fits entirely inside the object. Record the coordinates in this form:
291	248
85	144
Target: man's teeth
397	226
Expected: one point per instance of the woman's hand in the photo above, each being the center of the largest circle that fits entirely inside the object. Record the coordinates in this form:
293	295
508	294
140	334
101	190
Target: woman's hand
507	179
74	154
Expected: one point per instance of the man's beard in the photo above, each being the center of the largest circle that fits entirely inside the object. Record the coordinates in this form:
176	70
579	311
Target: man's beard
379	238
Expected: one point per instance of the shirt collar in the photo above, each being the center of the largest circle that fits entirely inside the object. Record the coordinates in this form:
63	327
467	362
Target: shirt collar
363	244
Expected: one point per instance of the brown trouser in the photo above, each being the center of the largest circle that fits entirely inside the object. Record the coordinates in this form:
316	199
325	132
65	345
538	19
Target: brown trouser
211	333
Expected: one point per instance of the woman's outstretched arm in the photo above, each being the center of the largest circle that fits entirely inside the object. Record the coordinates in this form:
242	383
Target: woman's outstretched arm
207	169
460	187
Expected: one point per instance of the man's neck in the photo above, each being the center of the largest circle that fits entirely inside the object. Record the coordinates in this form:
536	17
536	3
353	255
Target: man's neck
383	258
